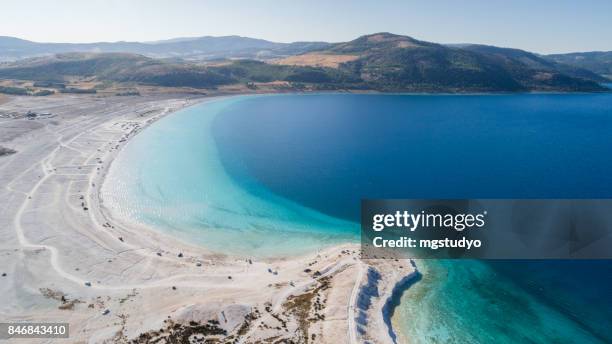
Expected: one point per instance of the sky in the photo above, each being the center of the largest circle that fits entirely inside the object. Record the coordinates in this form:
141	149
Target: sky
543	26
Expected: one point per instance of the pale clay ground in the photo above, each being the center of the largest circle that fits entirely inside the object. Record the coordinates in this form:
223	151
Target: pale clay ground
50	246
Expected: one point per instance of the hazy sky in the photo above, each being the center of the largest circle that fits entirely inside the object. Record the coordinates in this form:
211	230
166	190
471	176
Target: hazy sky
538	25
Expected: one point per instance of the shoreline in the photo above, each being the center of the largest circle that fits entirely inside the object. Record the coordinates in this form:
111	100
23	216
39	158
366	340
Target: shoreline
391	298
106	215
128	224
103	264
394	300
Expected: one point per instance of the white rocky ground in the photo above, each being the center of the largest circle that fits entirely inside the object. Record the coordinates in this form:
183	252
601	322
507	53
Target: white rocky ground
65	259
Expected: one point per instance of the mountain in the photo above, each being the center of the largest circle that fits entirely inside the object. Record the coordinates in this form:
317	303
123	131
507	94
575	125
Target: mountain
119	67
599	62
389	62
536	62
133	68
200	48
382	61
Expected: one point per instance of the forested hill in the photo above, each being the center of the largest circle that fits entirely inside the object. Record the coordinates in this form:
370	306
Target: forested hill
382	62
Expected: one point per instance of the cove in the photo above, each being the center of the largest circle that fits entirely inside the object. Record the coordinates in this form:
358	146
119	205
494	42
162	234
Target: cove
283	174
170	177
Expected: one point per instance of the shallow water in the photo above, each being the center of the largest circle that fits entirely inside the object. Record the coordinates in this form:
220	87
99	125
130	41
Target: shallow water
275	175
170	177
474	302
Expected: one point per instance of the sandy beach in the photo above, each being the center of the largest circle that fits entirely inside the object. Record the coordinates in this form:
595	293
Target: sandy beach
66	258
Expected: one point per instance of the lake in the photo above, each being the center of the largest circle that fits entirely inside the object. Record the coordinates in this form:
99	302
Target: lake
284	174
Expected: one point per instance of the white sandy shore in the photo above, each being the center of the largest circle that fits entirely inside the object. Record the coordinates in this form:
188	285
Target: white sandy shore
67	264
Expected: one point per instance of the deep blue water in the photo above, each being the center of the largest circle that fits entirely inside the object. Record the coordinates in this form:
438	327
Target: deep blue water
330	151
327	152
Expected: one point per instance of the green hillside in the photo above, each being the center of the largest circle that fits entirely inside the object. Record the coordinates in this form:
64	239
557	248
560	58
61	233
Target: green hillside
382	62
395	63
599	62
121	67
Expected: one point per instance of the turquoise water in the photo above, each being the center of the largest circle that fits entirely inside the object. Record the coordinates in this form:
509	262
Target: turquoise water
471	302
275	175
170	176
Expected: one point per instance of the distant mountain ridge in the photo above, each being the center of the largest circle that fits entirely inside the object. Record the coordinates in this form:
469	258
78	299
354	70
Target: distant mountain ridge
597	61
197	48
211	48
538	62
381	61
